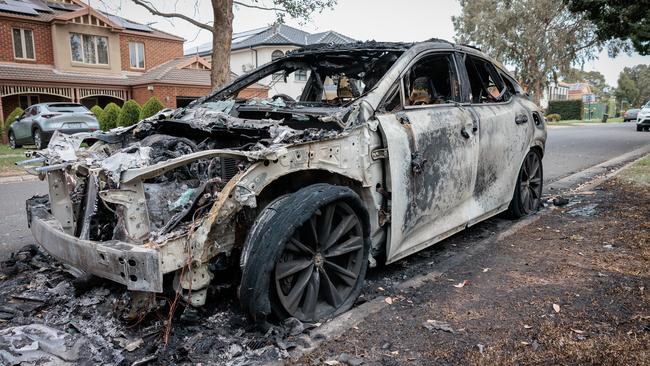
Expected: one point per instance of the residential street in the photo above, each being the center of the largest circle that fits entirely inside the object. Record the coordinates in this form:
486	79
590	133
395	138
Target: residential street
569	149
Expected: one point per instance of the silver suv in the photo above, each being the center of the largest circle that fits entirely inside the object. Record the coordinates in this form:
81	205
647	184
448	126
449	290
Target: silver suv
38	122
388	149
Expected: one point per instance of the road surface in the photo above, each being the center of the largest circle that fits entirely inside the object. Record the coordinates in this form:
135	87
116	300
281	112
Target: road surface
569	149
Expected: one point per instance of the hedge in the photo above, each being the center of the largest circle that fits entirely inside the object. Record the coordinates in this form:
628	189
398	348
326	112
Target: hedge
97	111
553	117
109	117
11	118
568	109
151	107
130	114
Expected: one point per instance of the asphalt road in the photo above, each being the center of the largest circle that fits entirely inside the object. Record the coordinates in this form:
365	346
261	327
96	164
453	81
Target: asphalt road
569	149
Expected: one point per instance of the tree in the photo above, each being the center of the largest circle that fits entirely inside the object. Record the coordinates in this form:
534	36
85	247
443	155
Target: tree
221	27
97	111
130	114
151	107
634	85
109	117
594	78
618	20
536	37
11	118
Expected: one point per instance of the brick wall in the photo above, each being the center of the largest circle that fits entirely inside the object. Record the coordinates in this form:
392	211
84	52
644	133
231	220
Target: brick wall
42	41
156	51
168	93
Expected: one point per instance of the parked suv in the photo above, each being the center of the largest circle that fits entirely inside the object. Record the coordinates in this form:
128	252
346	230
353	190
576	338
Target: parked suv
643	118
38	122
418	142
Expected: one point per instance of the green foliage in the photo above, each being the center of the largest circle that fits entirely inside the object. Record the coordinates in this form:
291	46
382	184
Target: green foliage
11	118
618	20
299	9
97	111
634	85
109	117
566	109
151	107
538	38
553	117
130	114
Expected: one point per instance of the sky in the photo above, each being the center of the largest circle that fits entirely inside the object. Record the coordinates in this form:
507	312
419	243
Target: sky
381	20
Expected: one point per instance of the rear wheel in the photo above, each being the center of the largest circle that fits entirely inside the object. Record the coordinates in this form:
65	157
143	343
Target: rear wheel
528	191
38	139
12	141
308	257
639	128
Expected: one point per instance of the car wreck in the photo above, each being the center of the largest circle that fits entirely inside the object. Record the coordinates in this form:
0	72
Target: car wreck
390	148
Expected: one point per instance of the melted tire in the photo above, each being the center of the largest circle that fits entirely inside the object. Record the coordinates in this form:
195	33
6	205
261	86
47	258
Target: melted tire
267	239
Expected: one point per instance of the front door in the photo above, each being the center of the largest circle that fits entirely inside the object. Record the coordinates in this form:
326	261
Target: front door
505	134
22	127
432	154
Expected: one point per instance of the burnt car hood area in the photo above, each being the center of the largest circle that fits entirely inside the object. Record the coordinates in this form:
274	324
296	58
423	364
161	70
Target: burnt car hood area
388	149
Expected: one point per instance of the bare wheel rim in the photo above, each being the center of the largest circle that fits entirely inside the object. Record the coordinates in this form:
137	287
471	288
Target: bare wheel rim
321	263
530	184
12	140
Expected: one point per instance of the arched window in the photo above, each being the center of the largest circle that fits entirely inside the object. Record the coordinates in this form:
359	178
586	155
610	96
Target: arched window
276	55
278	76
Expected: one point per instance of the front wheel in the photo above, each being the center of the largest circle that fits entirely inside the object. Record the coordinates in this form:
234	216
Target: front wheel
12	141
306	255
38	139
527	197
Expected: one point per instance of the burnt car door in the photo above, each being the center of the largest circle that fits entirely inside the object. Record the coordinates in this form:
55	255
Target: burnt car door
506	129
432	155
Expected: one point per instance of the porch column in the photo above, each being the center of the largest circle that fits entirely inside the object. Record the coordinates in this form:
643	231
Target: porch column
2	123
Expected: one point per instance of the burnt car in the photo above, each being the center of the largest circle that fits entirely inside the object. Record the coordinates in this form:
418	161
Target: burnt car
418	142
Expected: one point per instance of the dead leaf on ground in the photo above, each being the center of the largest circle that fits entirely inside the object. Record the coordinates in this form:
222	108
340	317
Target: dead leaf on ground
577	331
462	284
556	307
526	326
486	269
389	301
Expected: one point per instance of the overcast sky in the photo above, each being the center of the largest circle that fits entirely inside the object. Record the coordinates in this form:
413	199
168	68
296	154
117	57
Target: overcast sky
382	20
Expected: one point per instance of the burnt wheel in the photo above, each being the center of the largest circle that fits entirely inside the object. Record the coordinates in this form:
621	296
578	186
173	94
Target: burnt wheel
306	256
527	197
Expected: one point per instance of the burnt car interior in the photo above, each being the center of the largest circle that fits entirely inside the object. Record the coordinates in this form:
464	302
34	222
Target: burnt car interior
429	81
485	82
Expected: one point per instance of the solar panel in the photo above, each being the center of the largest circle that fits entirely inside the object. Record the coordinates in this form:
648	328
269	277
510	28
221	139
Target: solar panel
38	5
128	24
62	6
13	6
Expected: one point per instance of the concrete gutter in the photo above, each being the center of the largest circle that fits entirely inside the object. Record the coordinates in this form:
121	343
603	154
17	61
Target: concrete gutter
18	178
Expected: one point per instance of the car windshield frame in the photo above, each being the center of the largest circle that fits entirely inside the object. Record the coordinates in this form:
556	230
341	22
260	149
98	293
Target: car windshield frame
385	57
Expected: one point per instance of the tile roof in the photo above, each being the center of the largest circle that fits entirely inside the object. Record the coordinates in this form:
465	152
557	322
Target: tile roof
48	11
275	34
176	71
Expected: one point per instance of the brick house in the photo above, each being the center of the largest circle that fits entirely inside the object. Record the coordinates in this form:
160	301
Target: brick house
65	50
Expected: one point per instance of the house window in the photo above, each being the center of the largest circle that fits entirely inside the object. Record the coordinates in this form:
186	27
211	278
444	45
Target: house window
27	100
136	55
301	75
23	44
278	76
89	49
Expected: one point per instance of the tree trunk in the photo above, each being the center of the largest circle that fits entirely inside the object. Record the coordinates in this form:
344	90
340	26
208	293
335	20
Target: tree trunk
537	95
221	42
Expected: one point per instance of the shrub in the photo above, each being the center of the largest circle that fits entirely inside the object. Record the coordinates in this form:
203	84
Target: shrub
130	114
11	118
97	111
151	107
553	117
567	109
109	117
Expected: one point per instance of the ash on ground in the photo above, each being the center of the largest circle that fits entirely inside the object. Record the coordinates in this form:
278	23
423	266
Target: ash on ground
47	316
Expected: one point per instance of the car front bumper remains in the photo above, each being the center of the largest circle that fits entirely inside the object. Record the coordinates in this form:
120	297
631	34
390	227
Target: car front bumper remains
137	267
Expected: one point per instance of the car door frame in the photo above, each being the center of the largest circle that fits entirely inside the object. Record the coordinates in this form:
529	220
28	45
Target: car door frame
490	161
397	246
22	130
